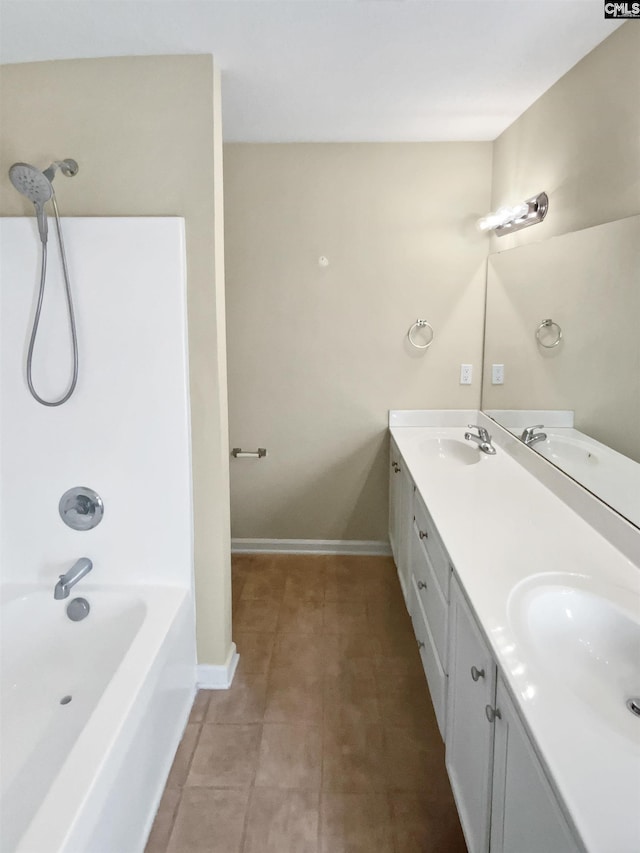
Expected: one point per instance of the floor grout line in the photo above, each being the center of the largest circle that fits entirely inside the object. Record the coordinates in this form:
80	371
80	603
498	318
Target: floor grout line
174	815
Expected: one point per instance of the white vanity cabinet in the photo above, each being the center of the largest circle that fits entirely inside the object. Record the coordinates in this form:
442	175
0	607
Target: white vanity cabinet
424	570
401	491
505	802
429	607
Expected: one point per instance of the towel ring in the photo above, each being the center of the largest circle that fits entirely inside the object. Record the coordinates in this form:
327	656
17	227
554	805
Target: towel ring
549	324
421	324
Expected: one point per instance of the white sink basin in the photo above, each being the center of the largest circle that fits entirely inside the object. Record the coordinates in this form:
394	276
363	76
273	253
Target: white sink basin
587	640
452	450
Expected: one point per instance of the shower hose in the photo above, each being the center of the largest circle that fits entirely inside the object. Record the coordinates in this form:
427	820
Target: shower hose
36	319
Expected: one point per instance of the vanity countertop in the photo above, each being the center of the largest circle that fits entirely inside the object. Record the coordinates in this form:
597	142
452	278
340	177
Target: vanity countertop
507	534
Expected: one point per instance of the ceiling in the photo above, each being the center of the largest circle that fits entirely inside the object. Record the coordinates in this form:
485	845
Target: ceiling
336	70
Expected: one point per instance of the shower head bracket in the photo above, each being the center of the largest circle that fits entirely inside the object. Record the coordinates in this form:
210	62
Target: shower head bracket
68	167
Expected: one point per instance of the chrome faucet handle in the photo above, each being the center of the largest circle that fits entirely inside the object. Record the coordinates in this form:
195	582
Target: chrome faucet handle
527	432
482	432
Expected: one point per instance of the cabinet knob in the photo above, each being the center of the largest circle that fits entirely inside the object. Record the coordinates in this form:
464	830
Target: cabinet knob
476	673
423	534
422	585
492	713
420	644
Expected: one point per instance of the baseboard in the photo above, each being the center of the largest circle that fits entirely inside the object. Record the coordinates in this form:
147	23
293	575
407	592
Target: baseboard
212	677
363	547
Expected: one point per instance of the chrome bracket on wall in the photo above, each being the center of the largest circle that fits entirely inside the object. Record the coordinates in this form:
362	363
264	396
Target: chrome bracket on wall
238	453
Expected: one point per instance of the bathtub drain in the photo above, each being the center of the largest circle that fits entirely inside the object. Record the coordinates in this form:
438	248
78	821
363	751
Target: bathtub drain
65	700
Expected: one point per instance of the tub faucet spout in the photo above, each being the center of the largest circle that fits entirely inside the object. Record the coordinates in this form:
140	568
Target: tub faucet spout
77	571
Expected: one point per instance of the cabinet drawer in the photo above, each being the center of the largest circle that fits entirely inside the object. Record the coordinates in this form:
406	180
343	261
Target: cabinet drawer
431	596
432	545
436	677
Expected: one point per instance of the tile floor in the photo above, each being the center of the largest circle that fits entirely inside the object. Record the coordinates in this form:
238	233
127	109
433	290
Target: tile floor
326	741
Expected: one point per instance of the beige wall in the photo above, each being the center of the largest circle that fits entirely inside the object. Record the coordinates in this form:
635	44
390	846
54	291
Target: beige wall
589	283
580	142
318	355
144	131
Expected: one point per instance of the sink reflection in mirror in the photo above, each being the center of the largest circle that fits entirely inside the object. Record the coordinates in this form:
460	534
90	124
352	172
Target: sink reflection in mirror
585	637
614	478
578	454
588	282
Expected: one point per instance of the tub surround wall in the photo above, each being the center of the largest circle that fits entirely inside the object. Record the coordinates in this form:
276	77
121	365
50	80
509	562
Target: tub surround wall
125	433
125	430
146	132
317	354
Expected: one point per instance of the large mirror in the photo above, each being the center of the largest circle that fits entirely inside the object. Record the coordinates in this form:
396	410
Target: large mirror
563	317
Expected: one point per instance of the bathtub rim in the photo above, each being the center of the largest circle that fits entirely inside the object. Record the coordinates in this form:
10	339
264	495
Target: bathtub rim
77	780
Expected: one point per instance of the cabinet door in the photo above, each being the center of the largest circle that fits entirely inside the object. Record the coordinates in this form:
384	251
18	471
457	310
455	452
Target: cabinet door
400	515
404	526
394	499
526	816
469	734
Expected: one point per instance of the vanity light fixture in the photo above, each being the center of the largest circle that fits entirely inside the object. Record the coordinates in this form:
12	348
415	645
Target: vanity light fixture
507	220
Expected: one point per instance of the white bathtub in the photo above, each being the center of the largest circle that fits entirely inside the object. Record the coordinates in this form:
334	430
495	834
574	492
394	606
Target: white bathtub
87	776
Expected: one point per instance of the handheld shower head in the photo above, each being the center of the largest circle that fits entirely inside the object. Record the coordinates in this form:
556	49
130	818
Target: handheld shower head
33	184
37	186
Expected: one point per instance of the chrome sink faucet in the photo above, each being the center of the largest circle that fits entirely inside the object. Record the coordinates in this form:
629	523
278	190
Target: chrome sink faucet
530	436
482	439
77	571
